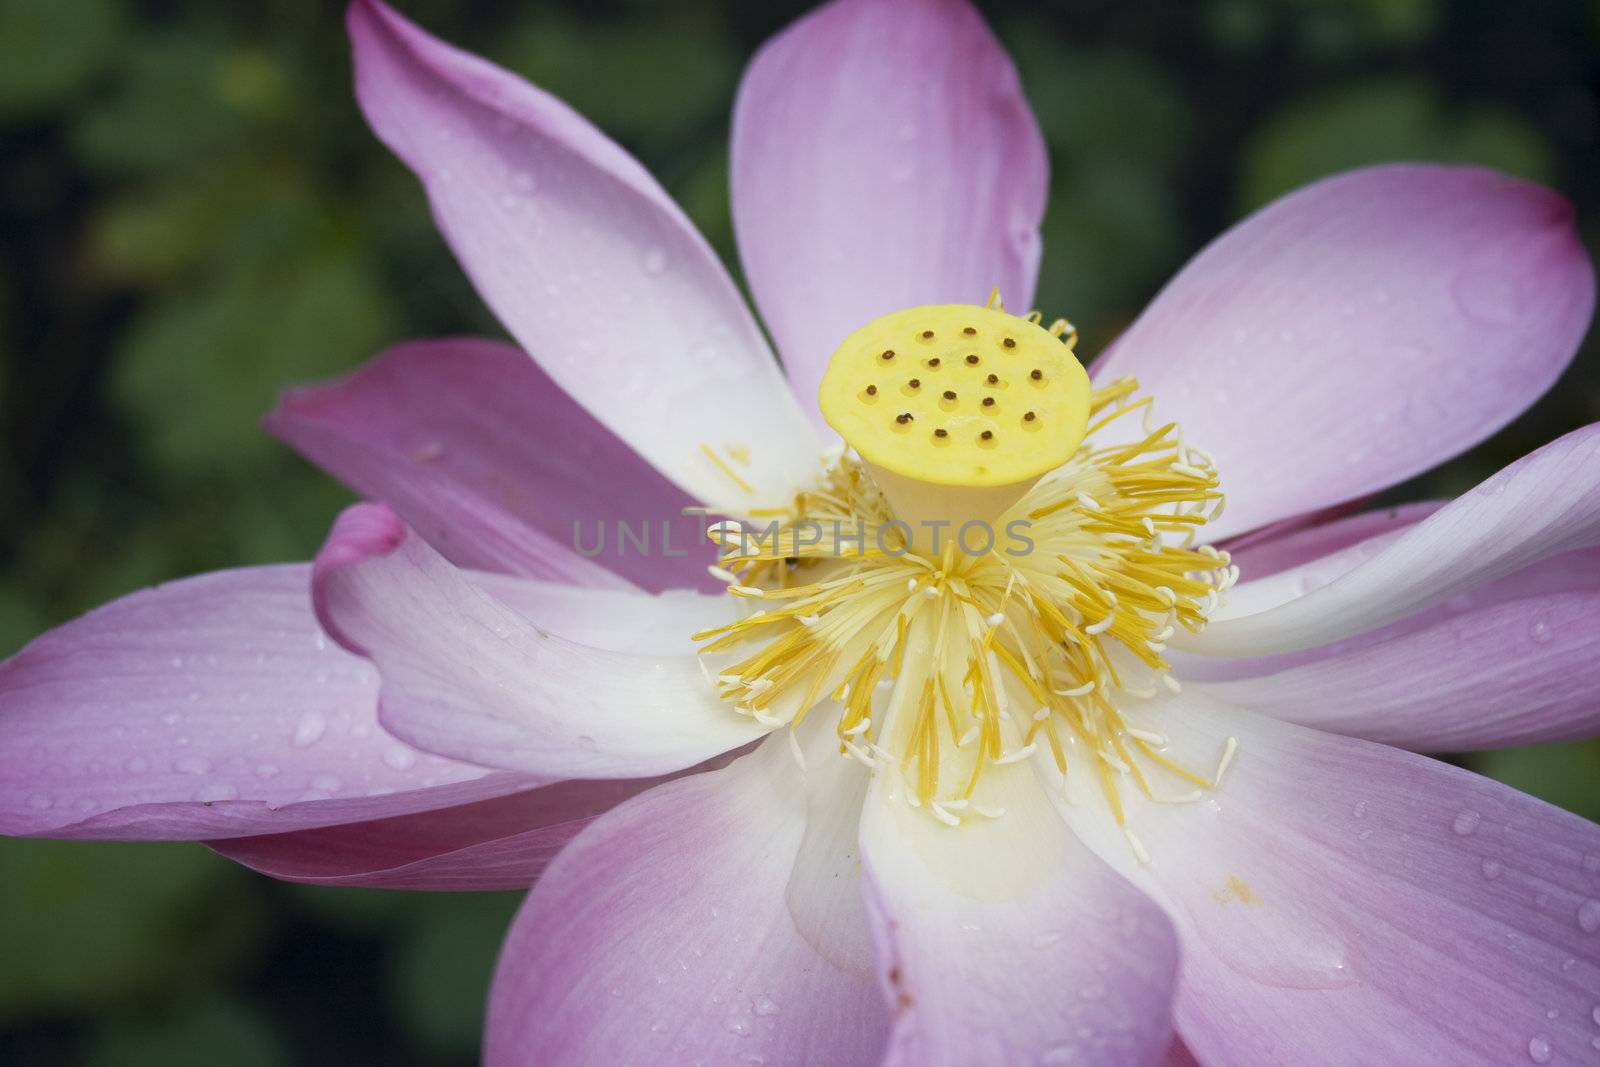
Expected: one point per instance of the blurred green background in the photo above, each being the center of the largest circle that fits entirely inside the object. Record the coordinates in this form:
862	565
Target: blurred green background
193	215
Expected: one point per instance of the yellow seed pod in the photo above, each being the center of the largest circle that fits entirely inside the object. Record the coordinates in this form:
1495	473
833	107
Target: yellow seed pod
957	395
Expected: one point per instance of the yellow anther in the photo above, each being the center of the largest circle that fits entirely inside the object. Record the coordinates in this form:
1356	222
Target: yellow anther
1012	400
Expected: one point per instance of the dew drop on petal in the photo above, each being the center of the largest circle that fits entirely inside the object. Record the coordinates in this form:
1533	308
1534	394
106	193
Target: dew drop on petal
1539	633
1589	916
266	770
192	765
763	1005
1466	822
40	801
309	730
738	1023
400	758
1491	869
1539	1049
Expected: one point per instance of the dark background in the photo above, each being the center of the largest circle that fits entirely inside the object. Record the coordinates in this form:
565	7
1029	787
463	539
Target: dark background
192	215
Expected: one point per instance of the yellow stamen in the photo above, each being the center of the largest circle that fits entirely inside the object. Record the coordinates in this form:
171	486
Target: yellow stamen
951	658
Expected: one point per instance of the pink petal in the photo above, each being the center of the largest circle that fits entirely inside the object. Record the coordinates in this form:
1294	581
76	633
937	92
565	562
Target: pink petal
501	843
483	455
1341	895
1512	673
464	673
1265	558
1369	326
587	262
1545	504
883	158
208	707
1007	941
662	935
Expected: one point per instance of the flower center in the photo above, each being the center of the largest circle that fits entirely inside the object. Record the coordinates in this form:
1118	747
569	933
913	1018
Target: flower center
990	572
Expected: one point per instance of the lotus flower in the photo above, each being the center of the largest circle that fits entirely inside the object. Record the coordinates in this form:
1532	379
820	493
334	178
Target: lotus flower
1146	791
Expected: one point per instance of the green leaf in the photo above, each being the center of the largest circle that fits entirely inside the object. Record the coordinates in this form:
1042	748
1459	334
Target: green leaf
1379	122
85	923
198	372
200	1034
440	979
51	49
1565	775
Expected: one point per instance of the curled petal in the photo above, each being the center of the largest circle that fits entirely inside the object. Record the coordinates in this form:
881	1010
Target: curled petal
463	672
1545	504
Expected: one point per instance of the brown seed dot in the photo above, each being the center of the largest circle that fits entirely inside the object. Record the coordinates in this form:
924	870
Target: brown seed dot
903	418
1037	375
972	361
872	390
949	394
888	354
969	331
934	362
941	433
993	379
915	383
927	335
1029	417
988	401
987	435
1010	342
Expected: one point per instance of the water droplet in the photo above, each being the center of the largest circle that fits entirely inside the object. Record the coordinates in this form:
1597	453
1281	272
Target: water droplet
192	765
1466	822
171	718
655	260
763	1005
309	730
401	759
1361	809
326	783
1539	633
428	452
1596	1014
1589	916
1539	1049
137	765
738	1023
40	801
215	791
266	770
587	743
1491	869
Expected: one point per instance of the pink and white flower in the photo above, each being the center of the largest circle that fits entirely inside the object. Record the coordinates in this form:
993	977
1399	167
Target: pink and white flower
451	694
